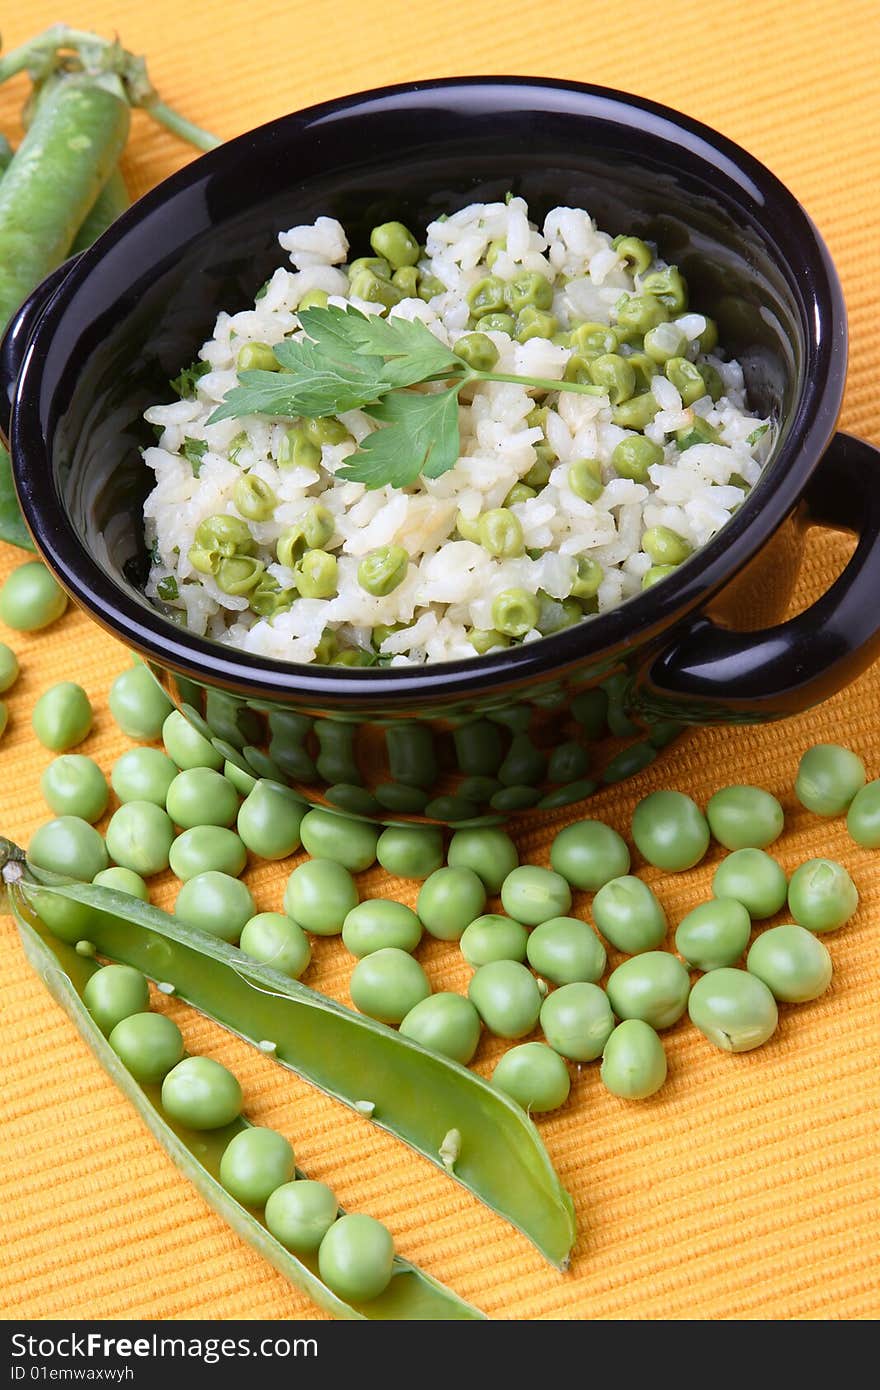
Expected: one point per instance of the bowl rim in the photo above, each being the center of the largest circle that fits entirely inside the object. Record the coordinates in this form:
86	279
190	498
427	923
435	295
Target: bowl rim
632	622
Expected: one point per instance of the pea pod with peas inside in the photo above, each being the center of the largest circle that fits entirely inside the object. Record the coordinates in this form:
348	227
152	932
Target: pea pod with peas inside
416	1095
409	1294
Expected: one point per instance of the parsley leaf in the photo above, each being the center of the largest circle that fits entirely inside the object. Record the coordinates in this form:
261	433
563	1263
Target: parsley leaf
420	436
194	451
185	384
756	434
315	383
416	355
167	588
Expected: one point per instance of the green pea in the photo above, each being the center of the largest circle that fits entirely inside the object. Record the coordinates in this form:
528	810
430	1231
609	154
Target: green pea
201	796
387	983
254	498
478	351
219	537
430	287
793	963
299	1214
534	1076
254	1163
588	854
356	1258
633	251
486	297
711	379
148	1046
9	668
319	895
4	717
215	903
577	1020
123	881
669	286
449	900
538	475
588	578
257	357
585	479
629	915
140	837
657	573
317	574
863	816
496	323
446	1023
614	375
635	413
638	313
733	1009
652	986
138	703
410	851
534	323
532	895
143	774
501	533
68	846
670	830
376	923
395	243
74	785
407	278
326	430
201	1094
375	289
328	835
313	299
31	598
664	342
828	778
297	450
114	992
633	1062
489	851
753	878
507	998
591	340
528	289
565	950
376	265
515	612
664	546
270	819
821	895
633	456
186	746
205	848
686	378
239	575
383	570
745	817
486	640
493	937
62	717
714	934
273	939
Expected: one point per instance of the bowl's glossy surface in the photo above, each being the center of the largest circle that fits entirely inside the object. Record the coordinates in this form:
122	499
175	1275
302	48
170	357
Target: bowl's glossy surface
545	723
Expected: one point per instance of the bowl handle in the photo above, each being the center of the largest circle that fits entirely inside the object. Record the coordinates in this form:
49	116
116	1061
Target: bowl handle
19	331
711	674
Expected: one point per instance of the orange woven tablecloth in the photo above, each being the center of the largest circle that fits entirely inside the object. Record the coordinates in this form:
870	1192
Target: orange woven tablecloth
747	1188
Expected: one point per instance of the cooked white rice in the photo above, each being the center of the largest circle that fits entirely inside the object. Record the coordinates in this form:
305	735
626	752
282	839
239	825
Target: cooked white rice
451	583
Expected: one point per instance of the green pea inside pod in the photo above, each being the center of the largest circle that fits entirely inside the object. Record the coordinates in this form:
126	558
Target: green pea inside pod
201	1094
254	1163
356	1257
148	1045
113	993
300	1214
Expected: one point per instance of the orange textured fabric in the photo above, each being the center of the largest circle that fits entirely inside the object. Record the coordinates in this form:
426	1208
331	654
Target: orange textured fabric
747	1188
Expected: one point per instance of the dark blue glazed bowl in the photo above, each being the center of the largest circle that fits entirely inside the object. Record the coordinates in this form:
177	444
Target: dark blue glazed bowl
545	724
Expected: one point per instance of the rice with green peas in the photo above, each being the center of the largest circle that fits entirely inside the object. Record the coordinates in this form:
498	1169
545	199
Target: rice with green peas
592	497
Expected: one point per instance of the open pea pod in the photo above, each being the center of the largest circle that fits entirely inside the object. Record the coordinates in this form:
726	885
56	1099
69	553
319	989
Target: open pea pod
411	1294
444	1111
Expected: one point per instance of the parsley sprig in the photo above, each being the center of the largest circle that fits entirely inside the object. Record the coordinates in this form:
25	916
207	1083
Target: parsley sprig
355	361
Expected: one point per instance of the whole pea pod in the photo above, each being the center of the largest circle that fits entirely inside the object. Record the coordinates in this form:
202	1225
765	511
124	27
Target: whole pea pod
410	1295
448	1114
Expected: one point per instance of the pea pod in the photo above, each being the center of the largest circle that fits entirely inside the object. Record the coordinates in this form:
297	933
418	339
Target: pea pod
411	1294
417	1095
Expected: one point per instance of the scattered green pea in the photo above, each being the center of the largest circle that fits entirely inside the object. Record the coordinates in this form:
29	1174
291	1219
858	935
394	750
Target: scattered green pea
270	820
300	1214
565	950
629	915
670	830
215	903
478	351
733	1009
793	963
534	1076
652	986
449	900
274	939
378	922
828	779
9	668
74	785
387	983
588	854
31	598
714	934
204	848
745	817
62	717
515	612
577	1020
532	895
148	1045
143	774
256	357
140	837
201	1094
821	895
113	993
70	846
396	244
633	1061
493	937
383	570
507	998
489	851
254	1163
863	816
754	878
201	796
319	895
328	835
138	703
410	851
186	746
356	1258
446	1023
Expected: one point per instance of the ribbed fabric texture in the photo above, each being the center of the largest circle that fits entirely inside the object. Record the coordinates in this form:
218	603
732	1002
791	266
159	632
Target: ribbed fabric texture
747	1188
